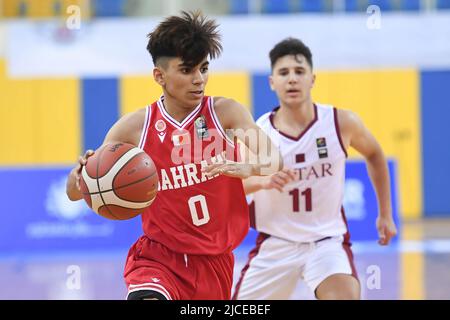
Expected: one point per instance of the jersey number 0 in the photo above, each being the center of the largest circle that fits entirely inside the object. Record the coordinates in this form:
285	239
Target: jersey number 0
194	213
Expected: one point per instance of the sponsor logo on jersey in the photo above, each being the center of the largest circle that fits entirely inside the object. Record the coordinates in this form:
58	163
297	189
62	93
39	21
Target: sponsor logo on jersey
321	142
201	128
323	153
161	126
161	136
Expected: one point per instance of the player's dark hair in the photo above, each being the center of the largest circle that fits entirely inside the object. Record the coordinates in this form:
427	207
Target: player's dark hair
290	46
190	36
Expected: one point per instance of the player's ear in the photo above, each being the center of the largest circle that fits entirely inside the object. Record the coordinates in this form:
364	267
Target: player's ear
158	75
313	80
271	83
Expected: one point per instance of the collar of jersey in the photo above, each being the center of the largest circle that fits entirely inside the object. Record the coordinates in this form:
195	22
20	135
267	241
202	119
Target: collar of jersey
285	135
174	122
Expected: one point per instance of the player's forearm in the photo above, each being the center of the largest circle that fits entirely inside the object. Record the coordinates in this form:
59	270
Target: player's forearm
379	175
268	163
72	191
259	151
251	185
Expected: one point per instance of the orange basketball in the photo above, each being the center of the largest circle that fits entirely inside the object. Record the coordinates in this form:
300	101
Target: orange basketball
119	181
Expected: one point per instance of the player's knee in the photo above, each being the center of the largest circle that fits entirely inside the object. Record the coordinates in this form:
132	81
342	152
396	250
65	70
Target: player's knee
339	288
341	294
349	293
146	295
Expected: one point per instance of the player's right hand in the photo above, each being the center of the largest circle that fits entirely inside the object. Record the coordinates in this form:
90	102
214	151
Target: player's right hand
278	180
82	160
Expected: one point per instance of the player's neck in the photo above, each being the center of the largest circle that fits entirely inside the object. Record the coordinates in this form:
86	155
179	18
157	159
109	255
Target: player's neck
297	115
176	109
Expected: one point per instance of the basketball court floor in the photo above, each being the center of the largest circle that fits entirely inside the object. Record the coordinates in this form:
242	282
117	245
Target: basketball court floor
416	267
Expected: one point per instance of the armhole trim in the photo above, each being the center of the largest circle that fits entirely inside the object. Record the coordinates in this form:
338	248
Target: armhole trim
144	132
217	122
338	131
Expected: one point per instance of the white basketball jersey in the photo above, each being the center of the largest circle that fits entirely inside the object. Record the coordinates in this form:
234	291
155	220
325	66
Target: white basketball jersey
310	207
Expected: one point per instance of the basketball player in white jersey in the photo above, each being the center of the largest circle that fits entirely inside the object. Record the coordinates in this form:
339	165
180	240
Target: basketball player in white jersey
298	211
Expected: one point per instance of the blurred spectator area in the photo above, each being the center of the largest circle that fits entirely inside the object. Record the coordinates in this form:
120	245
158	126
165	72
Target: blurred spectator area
124	8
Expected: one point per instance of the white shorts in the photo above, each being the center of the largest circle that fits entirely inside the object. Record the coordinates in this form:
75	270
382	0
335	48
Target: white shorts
275	266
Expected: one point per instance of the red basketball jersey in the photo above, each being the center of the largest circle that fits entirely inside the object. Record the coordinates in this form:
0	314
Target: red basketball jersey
191	213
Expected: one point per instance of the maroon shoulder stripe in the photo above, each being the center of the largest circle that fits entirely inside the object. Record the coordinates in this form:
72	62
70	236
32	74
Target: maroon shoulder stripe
338	132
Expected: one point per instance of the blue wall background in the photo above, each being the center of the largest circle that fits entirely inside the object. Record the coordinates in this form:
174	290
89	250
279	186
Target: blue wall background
436	141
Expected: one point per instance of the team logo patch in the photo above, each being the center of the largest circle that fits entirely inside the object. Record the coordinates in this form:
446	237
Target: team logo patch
321	142
180	138
323	153
200	127
161	126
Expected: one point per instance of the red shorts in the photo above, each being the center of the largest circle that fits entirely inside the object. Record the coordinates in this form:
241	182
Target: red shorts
177	276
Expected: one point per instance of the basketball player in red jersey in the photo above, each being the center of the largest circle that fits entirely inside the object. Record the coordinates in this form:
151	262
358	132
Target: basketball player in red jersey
200	213
298	211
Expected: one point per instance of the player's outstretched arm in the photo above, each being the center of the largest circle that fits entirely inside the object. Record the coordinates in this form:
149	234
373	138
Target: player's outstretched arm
275	181
239	123
127	129
355	134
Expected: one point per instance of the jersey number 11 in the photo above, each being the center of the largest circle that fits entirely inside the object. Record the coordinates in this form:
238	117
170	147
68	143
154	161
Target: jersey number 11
296	199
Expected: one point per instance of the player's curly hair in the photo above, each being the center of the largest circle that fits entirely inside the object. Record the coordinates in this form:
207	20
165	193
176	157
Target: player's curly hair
290	46
190	36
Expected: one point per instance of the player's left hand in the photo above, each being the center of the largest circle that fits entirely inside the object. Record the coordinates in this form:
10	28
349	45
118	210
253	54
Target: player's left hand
229	168
386	229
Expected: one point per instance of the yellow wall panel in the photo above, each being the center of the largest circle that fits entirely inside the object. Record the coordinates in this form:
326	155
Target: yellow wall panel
58	121
16	120
137	92
10	8
42	8
388	103
231	85
32	8
39	120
